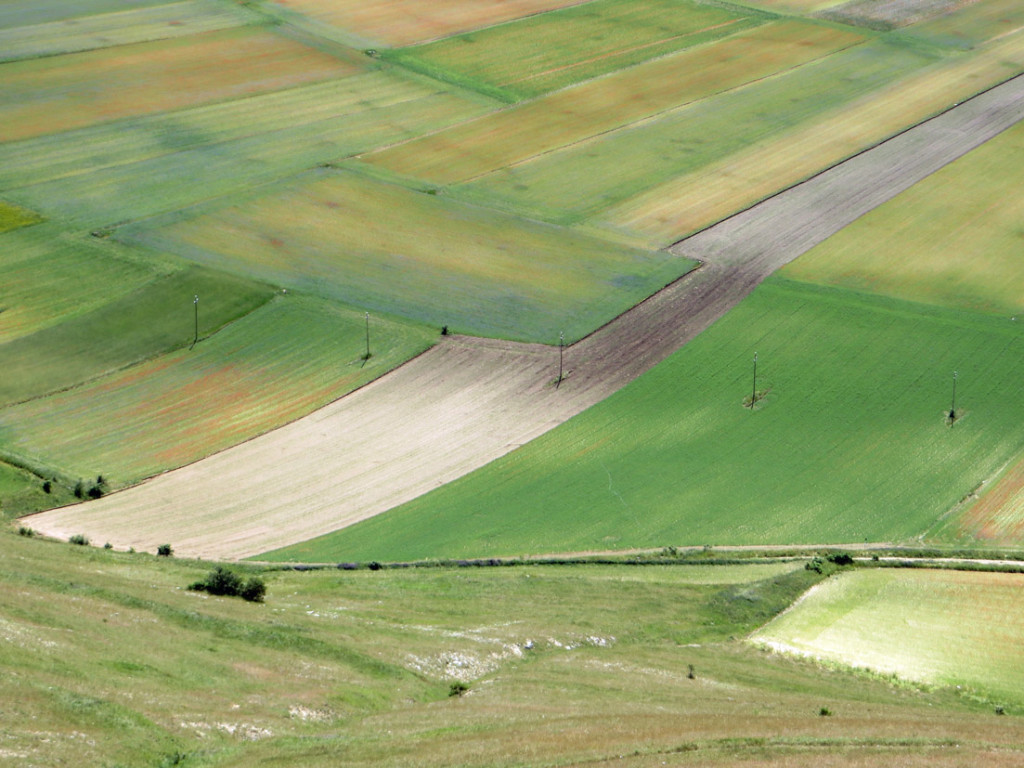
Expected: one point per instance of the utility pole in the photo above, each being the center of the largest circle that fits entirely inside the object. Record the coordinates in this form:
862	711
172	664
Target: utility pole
367	355
561	348
952	407
753	392
195	303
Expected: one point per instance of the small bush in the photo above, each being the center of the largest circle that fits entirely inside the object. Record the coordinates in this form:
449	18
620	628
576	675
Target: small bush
108	545
47	486
24	530
825	712
457	689
95	492
79	539
79	490
221	581
165	550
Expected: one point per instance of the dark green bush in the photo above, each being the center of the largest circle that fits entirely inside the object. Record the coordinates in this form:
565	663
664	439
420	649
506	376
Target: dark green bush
222	581
165	550
24	530
79	539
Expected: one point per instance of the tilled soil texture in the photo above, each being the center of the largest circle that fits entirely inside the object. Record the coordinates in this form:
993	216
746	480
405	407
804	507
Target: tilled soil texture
468	401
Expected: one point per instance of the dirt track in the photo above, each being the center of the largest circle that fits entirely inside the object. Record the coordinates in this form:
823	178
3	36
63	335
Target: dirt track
469	401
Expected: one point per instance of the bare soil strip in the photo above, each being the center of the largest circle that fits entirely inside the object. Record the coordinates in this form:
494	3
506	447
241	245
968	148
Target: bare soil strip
468	401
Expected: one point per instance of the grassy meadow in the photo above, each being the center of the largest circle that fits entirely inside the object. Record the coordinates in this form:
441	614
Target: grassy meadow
348	236
549	51
910	624
108	659
13	217
848	442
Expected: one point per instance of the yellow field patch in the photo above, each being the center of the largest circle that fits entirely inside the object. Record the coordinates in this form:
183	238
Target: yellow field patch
403	22
597	106
671	211
58	93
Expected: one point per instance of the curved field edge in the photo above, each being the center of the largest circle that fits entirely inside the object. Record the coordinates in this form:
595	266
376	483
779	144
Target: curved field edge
910	624
848	441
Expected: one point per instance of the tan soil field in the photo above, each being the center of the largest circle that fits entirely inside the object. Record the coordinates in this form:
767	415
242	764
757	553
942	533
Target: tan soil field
466	401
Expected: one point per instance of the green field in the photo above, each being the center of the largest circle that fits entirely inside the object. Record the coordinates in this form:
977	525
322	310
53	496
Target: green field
108	660
527	58
584	179
13	217
848	444
347	236
911	624
957	233
281	361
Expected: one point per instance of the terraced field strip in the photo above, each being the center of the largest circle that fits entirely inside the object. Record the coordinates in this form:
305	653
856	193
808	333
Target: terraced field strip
973	24
997	517
362	105
461	405
577	182
120	28
576	114
59	93
280	362
347	236
542	53
958	234
686	204
404	22
912	624
848	442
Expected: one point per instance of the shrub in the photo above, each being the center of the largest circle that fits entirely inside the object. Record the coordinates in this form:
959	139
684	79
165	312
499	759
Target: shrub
95	492
825	712
108	545
457	689
47	486
222	581
24	530
79	539
165	550
79	490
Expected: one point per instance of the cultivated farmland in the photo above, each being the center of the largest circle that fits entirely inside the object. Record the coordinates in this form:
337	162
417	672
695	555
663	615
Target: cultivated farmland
350	237
542	53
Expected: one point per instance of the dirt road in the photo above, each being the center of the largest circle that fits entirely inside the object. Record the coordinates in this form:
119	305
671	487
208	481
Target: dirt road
468	401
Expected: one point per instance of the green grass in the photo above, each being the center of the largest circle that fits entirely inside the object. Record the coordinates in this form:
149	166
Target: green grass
157	317
848	444
107	659
346	236
281	361
972	25
582	180
13	217
20	13
911	624
526	58
953	239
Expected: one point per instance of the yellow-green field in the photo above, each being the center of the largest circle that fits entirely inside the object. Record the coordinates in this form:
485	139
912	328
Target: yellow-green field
940	628
553	50
393	249
574	115
13	217
59	93
953	239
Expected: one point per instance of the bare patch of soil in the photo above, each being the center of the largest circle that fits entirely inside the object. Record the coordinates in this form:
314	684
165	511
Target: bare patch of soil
469	401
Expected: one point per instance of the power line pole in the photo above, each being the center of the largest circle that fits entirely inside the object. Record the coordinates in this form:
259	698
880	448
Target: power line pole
952	407
753	392
561	348
367	355
195	303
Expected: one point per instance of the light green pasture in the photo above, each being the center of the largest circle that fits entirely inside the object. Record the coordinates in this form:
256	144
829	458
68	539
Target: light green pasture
400	251
581	180
548	51
945	628
953	239
118	28
848	443
129	327
278	363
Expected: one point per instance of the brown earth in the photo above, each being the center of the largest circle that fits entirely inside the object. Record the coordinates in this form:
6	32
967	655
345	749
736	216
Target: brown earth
468	401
